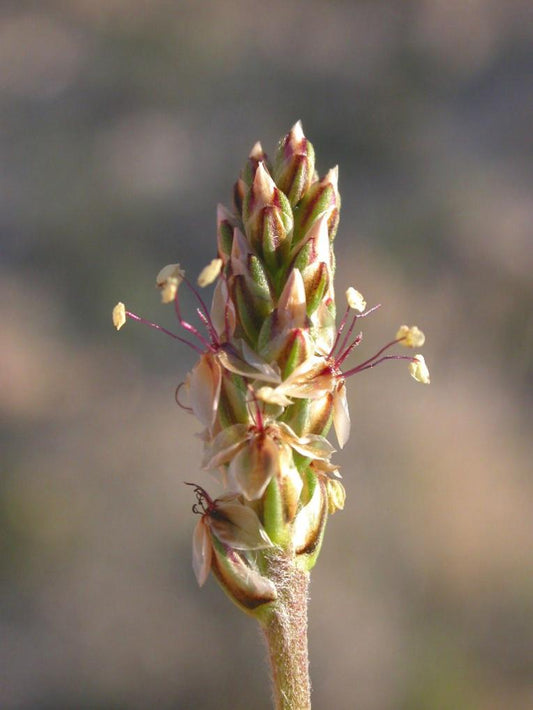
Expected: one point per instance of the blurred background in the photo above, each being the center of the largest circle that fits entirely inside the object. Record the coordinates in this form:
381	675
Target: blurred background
122	124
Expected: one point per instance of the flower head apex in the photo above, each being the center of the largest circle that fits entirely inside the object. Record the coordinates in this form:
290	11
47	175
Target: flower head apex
168	280
419	370
410	337
209	273
257	152
119	315
355	299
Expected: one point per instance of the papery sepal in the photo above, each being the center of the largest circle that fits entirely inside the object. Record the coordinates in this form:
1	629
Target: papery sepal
240	579
309	525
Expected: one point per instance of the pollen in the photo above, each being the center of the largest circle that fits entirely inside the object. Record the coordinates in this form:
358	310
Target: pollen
355	299
119	315
209	273
168	280
410	336
419	370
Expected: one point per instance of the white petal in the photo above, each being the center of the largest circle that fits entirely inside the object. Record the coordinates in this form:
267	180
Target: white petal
312	445
249	364
239	527
254	465
225	445
202	551
341	415
223	310
204	389
310	380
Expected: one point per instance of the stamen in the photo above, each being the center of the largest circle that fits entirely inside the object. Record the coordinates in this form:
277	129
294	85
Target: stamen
258	418
339	331
205	315
372	362
350	331
133	316
190	328
342	357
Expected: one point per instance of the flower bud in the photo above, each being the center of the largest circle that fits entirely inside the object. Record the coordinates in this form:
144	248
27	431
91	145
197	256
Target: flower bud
256	156
321	198
226	223
251	306
267	218
313	259
294	164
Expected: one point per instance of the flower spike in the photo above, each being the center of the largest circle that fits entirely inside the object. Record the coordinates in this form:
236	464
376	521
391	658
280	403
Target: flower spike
270	381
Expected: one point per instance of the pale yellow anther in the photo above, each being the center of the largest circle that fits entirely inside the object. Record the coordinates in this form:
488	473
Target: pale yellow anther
355	299
419	370
209	273
168	280
119	315
410	336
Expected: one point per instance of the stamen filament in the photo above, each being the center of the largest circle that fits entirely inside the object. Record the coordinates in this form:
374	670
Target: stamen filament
372	363
206	318
339	330
190	328
133	316
342	357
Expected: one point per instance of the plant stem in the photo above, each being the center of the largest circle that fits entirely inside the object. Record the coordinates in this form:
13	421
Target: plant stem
285	632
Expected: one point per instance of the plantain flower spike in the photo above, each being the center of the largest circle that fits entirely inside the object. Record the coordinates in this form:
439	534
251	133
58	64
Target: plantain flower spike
271	373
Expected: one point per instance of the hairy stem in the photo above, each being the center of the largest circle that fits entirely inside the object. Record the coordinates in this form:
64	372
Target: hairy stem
285	632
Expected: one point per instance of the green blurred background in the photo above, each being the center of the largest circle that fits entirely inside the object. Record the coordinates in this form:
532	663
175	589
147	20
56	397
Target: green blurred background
122	124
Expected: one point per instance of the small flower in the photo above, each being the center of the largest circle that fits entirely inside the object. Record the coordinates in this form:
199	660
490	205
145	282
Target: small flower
225	526
119	315
355	299
168	280
209	273
419	370
410	337
259	452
